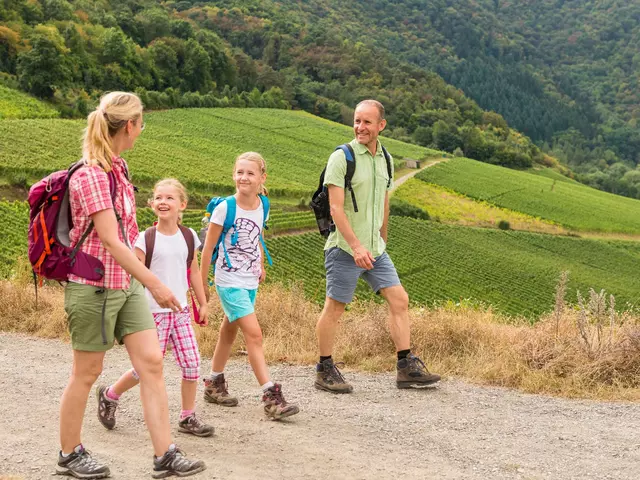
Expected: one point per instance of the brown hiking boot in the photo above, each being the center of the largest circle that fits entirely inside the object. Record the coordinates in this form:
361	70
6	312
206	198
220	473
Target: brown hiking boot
215	391
329	378
194	426
106	408
412	372
275	406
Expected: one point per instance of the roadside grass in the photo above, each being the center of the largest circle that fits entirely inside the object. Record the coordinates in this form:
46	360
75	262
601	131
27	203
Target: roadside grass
583	351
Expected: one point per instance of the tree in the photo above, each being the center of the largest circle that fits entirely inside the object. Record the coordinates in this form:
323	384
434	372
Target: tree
196	71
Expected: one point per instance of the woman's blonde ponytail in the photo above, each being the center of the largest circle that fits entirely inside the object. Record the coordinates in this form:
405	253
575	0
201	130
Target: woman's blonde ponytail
113	113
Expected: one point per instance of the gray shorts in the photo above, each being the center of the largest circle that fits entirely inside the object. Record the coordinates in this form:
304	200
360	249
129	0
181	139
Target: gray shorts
343	274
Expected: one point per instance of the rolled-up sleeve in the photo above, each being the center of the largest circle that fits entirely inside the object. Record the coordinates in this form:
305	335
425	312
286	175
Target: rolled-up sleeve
336	169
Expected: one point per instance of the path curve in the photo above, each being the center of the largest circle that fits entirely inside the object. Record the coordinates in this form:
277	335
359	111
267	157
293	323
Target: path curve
399	181
456	431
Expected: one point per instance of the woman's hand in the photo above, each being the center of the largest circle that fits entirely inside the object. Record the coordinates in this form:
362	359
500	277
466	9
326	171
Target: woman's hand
164	297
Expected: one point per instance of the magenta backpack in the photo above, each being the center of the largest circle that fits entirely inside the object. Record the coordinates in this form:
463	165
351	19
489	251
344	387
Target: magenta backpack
50	253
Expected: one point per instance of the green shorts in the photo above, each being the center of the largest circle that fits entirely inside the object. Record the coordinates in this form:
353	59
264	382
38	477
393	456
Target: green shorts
97	316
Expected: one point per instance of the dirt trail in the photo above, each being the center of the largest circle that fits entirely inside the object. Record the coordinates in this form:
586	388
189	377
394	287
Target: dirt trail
399	181
457	431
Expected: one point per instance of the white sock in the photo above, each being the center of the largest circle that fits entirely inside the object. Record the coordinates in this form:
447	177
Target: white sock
215	374
267	386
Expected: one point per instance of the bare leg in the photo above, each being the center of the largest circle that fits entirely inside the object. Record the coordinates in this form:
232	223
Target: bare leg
146	357
189	390
398	301
126	382
87	367
253	338
328	325
227	336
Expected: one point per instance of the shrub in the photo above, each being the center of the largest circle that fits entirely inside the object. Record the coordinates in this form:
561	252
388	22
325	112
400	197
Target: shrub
458	152
504	225
401	208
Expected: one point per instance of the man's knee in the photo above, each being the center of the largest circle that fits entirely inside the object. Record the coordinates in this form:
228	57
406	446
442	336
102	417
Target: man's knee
333	309
398	299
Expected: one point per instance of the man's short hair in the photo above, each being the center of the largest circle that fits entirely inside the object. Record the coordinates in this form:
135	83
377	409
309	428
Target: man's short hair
373	103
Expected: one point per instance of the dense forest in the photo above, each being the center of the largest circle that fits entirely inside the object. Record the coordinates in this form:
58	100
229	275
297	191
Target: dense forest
564	73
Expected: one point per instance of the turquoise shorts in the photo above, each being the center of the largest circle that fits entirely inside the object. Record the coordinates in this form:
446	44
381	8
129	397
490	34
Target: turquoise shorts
237	302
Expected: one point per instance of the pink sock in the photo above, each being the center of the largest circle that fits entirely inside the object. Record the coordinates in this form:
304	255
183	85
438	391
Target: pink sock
110	394
185	413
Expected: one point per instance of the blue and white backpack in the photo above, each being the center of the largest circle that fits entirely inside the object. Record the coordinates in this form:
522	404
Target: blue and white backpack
229	224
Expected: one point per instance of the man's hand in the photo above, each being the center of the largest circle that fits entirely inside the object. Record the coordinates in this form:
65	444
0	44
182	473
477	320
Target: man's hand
363	257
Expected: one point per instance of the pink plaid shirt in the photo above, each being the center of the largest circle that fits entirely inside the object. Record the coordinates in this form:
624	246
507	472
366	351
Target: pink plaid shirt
88	194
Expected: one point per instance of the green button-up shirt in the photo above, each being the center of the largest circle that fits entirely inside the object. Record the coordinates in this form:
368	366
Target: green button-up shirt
370	187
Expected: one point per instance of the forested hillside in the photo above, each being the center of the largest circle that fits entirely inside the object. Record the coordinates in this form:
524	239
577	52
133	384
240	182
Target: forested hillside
564	73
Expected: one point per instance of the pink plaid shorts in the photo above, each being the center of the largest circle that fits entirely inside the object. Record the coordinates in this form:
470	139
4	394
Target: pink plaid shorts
175	328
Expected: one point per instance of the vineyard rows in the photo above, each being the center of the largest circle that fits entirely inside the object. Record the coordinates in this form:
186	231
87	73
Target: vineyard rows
568	203
515	272
198	146
16	104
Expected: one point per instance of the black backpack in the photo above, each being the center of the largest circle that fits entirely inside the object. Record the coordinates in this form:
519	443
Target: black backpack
320	199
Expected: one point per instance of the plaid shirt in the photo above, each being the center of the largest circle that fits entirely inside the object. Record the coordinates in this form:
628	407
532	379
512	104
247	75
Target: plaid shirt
88	194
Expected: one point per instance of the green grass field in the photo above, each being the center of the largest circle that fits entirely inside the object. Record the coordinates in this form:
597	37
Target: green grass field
515	272
198	146
570	204
16	104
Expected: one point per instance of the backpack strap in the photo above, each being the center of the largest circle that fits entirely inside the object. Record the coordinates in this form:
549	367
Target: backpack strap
387	157
229	223
266	204
191	245
350	156
149	245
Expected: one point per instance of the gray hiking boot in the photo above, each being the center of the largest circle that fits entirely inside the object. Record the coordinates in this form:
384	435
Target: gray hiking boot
329	378
275	406
194	426
80	464
215	391
174	462
106	408
412	372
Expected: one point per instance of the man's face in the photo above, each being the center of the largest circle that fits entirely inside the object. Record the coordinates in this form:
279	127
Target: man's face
367	124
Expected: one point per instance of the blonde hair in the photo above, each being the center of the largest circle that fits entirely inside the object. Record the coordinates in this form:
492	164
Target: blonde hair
255	157
174	183
113	113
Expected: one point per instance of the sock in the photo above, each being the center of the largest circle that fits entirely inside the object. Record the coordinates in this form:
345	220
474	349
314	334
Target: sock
267	386
403	354
111	395
322	359
78	449
185	413
215	374
170	449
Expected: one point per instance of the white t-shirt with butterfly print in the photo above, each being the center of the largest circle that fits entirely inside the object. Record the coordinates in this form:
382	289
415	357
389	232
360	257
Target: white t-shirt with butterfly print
246	254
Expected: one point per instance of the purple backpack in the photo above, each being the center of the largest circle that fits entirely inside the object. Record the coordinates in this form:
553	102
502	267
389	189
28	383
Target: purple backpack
50	253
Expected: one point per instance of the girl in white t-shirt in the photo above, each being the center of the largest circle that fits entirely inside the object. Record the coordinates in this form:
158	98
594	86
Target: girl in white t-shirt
169	255
237	285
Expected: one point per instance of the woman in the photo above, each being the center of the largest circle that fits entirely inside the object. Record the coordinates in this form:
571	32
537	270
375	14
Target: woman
114	307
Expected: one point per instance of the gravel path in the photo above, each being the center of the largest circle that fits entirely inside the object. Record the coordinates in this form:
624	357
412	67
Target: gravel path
456	431
429	163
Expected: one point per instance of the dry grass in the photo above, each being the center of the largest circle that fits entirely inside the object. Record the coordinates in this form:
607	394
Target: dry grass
588	352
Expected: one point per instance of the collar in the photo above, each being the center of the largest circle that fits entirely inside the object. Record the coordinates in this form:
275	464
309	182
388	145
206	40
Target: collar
361	149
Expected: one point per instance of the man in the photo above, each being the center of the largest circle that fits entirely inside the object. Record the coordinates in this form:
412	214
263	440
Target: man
357	249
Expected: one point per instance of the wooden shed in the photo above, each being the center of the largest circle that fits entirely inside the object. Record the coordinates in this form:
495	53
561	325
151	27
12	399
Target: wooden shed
411	163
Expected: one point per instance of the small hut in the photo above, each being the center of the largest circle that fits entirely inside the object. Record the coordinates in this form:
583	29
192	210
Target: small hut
411	163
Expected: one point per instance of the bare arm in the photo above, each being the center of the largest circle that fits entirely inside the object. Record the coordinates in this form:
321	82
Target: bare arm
385	222
213	234
361	255
106	226
196	282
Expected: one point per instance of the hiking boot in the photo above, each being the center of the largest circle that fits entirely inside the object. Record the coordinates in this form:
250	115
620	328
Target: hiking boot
194	426
174	462
275	406
215	391
329	378
106	408
81	465
412	372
